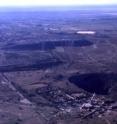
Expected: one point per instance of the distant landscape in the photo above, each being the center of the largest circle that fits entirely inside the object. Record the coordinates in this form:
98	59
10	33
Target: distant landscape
58	65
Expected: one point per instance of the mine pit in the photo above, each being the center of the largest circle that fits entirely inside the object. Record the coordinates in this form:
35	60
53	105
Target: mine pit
98	83
49	45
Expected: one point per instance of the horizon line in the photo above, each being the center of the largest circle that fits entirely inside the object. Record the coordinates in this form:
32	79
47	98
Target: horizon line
54	6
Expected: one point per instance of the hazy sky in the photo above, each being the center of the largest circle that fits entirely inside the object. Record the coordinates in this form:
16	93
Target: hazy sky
54	2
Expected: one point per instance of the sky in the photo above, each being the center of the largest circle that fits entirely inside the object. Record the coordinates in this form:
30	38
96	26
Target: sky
54	2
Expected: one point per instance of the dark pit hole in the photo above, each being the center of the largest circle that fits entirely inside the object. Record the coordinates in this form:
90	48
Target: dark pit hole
98	83
48	45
